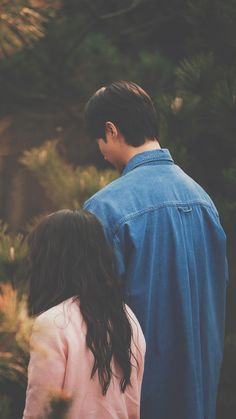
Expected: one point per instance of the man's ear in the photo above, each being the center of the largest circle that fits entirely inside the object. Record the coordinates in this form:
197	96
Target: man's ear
111	129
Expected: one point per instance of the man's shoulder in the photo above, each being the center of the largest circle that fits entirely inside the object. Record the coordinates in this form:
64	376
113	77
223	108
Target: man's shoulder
109	193
145	188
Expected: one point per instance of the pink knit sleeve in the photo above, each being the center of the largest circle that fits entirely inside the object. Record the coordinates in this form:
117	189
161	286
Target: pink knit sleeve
46	368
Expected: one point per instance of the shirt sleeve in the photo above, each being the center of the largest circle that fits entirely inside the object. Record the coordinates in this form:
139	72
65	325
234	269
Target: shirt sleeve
104	214
46	368
119	252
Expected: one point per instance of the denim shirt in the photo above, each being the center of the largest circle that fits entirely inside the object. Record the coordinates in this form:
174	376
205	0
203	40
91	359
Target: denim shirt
171	255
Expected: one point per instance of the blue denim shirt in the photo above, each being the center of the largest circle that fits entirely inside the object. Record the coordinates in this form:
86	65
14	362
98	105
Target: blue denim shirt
172	258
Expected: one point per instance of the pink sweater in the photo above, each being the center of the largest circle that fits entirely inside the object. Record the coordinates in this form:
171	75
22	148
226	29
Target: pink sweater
60	360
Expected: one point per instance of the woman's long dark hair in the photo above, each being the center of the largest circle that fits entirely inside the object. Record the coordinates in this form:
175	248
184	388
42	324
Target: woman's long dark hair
70	257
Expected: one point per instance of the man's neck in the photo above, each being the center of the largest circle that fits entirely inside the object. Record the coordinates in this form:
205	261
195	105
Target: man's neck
149	145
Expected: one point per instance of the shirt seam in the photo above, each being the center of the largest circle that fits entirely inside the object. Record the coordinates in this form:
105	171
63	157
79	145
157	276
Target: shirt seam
135	214
148	162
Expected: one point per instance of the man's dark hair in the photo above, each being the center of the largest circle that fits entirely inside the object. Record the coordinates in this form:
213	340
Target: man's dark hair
130	109
70	257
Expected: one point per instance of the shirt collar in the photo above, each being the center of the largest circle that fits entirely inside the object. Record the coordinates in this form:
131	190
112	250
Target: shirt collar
148	157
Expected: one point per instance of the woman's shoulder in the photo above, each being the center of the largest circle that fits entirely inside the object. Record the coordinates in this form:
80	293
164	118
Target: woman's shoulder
131	315
60	314
133	321
138	340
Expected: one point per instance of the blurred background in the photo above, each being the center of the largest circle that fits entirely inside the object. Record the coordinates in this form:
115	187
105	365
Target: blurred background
53	56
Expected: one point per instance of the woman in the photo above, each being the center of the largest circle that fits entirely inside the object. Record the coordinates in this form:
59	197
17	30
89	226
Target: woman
85	341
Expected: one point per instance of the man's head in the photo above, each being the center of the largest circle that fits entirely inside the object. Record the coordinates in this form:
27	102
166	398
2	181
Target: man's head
123	120
128	107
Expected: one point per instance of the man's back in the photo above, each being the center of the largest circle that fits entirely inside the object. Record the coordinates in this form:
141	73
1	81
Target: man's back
171	253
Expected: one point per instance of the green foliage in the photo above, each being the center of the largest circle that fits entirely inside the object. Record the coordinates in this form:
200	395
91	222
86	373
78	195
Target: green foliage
5	409
15	327
196	74
183	53
15	330
223	106
12	247
59	403
65	186
227	400
13	250
22	22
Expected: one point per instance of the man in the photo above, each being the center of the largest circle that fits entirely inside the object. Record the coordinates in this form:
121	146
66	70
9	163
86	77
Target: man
171	255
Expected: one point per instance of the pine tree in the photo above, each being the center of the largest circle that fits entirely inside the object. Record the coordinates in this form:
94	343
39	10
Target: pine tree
22	22
64	185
